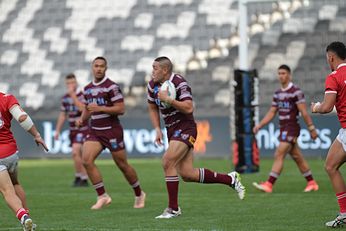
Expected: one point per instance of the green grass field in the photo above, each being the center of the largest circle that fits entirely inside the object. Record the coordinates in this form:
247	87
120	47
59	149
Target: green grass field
55	205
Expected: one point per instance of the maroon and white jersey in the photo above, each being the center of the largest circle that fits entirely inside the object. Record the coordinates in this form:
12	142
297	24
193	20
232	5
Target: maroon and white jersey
336	84
286	100
104	93
68	106
172	116
8	145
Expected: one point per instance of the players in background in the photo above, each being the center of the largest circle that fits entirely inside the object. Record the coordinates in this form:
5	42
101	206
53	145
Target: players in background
289	101
181	133
71	108
104	103
335	95
10	188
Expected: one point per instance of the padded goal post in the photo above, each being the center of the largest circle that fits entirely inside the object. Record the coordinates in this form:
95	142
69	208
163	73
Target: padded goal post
244	115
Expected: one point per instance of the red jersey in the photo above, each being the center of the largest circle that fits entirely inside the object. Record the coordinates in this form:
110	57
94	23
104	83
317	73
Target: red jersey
286	100
336	84
104	93
72	110
8	144
172	116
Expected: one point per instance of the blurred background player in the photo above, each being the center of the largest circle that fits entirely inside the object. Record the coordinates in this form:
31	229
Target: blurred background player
10	188
289	101
104	103
335	95
182	134
71	108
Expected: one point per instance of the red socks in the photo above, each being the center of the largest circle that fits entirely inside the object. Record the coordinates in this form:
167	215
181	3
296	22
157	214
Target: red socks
342	201
100	188
137	188
172	183
207	176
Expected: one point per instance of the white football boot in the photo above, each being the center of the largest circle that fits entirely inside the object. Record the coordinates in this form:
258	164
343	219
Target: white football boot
169	213
339	221
237	185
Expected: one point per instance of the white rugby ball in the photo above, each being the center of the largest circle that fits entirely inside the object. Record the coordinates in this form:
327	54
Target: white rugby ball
169	86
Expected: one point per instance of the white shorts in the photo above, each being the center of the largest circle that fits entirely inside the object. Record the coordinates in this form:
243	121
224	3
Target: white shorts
9	163
342	137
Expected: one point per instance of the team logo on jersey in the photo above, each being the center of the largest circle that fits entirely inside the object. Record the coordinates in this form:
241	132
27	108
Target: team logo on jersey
1	121
177	133
79	137
185	136
284	135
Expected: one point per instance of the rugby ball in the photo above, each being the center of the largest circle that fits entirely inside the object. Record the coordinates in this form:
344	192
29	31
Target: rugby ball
169	86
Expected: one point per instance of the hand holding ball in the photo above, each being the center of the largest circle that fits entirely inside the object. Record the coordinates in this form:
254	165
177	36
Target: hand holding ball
167	93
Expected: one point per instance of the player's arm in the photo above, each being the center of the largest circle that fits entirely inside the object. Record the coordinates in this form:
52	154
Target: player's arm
155	120
80	105
118	108
307	118
59	123
27	124
185	106
266	119
326	106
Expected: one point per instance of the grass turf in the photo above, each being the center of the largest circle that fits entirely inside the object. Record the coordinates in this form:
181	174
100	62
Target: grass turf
55	205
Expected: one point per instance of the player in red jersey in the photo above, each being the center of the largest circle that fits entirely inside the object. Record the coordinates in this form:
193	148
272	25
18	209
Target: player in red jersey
71	108
181	133
104	103
10	188
288	101
335	95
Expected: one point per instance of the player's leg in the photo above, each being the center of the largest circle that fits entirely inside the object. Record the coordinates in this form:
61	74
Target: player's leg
81	177
120	158
175	152
202	175
277	167
12	200
18	188
91	150
335	158
304	168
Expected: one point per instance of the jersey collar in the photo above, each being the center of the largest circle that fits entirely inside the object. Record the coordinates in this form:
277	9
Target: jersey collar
171	78
102	81
341	65
290	84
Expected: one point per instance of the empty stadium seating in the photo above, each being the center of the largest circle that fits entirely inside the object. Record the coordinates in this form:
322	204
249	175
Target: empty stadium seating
41	41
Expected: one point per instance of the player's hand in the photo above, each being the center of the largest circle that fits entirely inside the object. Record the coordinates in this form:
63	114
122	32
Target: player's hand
93	107
79	122
314	107
313	134
39	141
56	135
256	129
159	137
163	95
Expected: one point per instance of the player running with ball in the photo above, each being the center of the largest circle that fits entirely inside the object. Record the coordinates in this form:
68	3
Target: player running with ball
182	133
335	95
10	188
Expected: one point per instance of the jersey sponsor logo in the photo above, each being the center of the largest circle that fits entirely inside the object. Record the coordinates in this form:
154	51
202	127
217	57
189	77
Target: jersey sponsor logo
185	136
177	133
79	137
113	143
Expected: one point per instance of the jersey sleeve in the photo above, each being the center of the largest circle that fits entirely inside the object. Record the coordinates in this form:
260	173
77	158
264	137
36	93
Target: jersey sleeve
184	91
299	96
62	106
115	94
11	100
331	85
151	96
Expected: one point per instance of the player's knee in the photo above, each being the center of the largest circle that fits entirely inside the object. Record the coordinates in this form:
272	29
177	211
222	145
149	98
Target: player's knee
87	163
329	168
186	177
167	163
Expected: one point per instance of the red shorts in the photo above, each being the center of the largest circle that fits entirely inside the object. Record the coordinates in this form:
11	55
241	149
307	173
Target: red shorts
77	137
186	133
111	138
289	136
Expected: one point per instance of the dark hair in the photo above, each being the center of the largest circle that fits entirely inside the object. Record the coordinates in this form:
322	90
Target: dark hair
164	61
338	48
102	58
285	67
70	76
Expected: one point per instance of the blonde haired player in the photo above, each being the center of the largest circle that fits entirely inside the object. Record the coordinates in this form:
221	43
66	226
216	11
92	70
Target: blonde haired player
10	188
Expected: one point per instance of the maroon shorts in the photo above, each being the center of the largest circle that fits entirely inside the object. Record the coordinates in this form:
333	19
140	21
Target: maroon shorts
77	137
111	138
186	133
289	135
